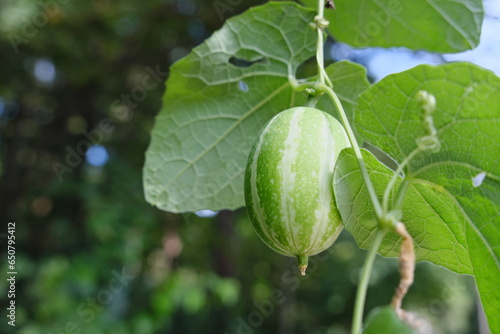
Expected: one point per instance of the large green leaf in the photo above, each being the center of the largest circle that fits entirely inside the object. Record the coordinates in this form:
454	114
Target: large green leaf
434	25
467	120
216	103
430	215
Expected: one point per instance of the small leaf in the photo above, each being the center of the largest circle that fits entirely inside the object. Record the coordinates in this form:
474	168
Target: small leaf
385	320
467	123
439	26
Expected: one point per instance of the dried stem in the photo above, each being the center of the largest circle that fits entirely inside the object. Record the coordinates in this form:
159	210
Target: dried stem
406	267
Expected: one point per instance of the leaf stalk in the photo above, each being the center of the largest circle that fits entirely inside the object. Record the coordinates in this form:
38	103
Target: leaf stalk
359	305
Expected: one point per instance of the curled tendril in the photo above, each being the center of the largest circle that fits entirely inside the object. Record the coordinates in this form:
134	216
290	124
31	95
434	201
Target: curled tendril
428	101
429	142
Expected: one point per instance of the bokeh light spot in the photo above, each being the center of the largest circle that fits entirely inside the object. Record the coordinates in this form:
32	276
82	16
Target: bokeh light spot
76	124
121	113
186	7
41	206
2	107
97	155
126	27
8	111
45	71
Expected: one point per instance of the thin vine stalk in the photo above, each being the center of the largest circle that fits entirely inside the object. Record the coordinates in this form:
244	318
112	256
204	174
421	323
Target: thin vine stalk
359	305
357	151
325	85
321	23
394	178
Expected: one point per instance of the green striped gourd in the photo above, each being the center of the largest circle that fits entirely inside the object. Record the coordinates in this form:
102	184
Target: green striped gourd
288	182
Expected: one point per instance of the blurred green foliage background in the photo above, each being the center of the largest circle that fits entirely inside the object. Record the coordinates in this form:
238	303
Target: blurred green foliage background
91	255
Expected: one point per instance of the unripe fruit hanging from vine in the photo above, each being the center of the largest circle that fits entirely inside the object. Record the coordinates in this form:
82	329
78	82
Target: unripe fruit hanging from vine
288	182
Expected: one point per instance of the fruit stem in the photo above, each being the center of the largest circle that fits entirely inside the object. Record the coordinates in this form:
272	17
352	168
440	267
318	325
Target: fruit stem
363	283
369	186
303	262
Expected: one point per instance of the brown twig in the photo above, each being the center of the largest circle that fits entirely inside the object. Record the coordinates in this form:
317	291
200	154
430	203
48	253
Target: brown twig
406	267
